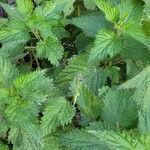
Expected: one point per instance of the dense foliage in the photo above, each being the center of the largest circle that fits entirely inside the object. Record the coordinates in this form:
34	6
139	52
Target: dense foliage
75	75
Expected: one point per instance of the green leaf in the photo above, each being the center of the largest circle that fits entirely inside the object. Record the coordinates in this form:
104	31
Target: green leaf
144	122
143	78
132	69
119	109
146	98
106	43
146	25
113	73
16	31
117	141
137	33
147	11
51	49
130	12
143	99
82	42
98	126
27	137
89	4
58	113
132	45
69	7
77	65
88	103
3	126
88	25
12	50
52	143
50	9
144	142
3	22
8	73
130	16
60	32
95	79
28	87
82	140
38	1
111	12
123	141
24	6
12	12
3	146
38	24
10	34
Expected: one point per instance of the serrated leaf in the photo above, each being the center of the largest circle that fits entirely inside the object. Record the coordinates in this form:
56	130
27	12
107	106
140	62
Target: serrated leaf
143	99
143	78
97	126
82	140
77	65
88	25
69	7
95	79
24	6
132	45
51	49
12	50
147	11
107	43
111	12
8	73
113	73
132	69
89	4
3	22
27	137
130	12
117	141
129	23
144	122
122	141
12	12
10	34
28	87
52	143
58	113
50	9
88	103
119	108
82	42
138	34
3	126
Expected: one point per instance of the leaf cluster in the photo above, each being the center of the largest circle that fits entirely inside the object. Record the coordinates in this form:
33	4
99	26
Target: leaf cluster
75	74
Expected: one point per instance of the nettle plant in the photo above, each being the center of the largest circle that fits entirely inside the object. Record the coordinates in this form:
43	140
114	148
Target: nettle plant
92	96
